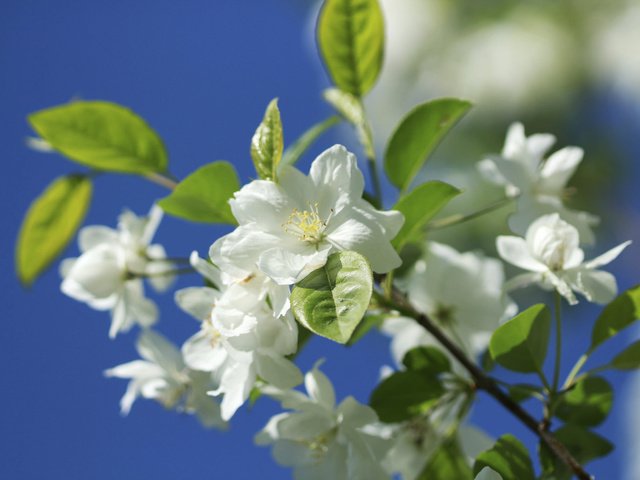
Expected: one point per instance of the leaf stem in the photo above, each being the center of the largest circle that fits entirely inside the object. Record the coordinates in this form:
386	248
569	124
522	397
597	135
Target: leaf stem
558	319
575	370
161	179
460	218
486	383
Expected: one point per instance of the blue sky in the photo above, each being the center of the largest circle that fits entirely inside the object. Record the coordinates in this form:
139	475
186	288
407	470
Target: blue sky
201	73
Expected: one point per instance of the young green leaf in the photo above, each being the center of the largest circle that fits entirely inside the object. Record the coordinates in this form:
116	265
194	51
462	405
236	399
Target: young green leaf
522	391
430	360
351	108
508	457
521	343
332	300
403	395
629	359
351	42
50	224
447	463
587	403
103	136
619	314
204	195
293	153
420	206
417	136
583	444
267	143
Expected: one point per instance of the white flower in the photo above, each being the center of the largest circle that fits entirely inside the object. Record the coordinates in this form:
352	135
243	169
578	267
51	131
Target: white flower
106	276
539	184
462	292
552	254
289	228
163	376
246	334
321	440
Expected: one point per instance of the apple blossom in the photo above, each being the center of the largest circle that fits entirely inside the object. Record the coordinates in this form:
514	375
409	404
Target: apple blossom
163	376
107	274
539	184
321	440
246	333
289	228
551	252
469	313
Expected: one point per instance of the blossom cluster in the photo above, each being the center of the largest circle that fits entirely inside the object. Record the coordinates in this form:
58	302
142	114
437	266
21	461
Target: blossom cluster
247	335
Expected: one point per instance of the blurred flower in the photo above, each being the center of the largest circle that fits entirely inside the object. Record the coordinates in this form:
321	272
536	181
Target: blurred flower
246	333
163	376
107	275
289	228
322	441
538	184
462	292
551	252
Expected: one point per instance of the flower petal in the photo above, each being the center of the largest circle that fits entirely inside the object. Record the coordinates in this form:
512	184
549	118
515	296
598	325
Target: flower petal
607	257
515	251
319	388
94	235
558	168
201	353
277	370
197	301
286	268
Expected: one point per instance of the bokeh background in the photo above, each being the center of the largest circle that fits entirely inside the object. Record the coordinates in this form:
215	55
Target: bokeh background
201	73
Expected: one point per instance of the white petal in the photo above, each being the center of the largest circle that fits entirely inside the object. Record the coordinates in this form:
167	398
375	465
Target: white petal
522	280
236	383
201	352
94	235
157	349
161	273
206	269
515	251
263	203
137	369
286	268
358	232
319	388
197	301
277	371
607	257
597	286
151	224
338	168
143	310
305	425
562	287
490	172
516	173
354	414
558	168
539	143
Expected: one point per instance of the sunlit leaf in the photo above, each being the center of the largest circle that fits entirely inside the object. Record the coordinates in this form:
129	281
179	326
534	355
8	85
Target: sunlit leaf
267	143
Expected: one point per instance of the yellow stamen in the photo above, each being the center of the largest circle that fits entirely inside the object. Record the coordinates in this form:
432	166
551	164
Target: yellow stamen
306	225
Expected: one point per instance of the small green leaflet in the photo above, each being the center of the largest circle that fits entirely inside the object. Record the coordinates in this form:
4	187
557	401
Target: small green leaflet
294	151
351	42
420	206
447	463
628	359
426	359
267	143
587	403
616	316
204	195
508	457
521	344
103	136
50	224
417	136
332	300
351	108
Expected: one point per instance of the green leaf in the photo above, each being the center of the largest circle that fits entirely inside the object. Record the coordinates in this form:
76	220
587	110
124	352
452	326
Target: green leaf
521	343
583	444
508	457
103	136
629	359
587	403
404	395
447	463
368	323
204	195
293	153
429	360
420	206
523	391
351	42
619	314
332	300
417	136
267	143
351	108
50	224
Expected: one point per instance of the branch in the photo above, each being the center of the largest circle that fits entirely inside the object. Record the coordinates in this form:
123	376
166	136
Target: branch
486	383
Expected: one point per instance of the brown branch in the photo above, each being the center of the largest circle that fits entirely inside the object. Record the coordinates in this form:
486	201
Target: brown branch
486	383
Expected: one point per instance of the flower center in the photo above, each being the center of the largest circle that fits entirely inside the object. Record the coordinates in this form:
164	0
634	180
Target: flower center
306	225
